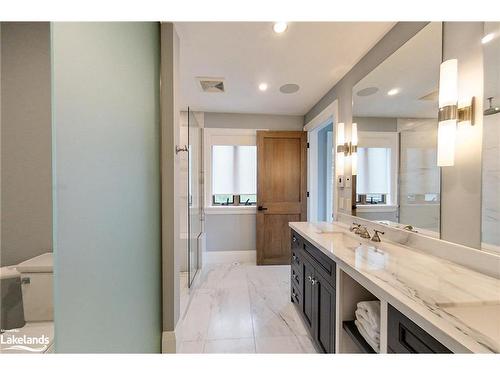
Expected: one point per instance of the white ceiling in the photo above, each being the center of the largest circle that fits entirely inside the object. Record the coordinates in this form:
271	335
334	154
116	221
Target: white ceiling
314	55
414	70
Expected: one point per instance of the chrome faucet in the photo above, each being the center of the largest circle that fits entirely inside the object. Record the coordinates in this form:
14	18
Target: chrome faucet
376	237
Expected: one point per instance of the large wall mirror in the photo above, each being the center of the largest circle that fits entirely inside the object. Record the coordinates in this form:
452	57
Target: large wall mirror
395	107
491	138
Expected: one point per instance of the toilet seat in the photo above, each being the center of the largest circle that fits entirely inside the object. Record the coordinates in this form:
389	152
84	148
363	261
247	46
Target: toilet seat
41	335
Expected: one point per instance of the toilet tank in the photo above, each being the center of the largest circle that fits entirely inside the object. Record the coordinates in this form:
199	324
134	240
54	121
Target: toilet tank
37	288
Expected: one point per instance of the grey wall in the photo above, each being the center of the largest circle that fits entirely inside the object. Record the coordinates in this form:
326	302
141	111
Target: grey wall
253	121
230	232
342	91
171	168
26	175
461	183
376	124
107	187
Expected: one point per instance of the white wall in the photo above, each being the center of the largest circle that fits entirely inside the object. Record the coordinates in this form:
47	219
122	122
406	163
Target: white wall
26	172
107	245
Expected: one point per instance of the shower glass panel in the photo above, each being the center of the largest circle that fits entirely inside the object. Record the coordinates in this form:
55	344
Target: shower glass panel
194	196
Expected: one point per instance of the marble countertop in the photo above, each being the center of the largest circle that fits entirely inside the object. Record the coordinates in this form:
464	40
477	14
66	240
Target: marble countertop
458	306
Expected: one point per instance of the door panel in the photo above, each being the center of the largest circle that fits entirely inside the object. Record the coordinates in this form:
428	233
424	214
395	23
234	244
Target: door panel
325	314
281	192
308	294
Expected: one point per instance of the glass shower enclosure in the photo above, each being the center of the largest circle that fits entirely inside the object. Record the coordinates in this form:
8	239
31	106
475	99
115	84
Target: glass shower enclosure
194	201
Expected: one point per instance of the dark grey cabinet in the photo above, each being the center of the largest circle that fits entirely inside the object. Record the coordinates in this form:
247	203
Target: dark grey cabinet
313	291
404	336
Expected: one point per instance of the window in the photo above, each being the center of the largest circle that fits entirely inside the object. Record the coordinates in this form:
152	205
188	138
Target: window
234	175
373	181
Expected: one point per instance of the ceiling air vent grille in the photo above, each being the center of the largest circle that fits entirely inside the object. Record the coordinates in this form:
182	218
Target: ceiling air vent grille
211	84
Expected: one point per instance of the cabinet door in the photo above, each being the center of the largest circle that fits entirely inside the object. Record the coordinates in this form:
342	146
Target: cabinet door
308	294
324	314
404	336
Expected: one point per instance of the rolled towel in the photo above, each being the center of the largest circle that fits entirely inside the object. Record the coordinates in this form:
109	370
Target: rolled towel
374	332
373	343
372	311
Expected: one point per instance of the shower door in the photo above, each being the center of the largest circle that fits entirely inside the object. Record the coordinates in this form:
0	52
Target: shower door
194	196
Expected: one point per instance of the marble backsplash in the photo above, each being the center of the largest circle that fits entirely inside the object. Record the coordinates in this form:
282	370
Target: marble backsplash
479	260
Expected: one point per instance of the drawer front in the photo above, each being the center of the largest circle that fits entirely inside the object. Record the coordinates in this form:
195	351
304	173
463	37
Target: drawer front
404	336
296	277
296	297
295	241
321	263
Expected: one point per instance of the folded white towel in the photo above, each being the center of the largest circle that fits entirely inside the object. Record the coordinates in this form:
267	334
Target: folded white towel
373	331
371	311
373	343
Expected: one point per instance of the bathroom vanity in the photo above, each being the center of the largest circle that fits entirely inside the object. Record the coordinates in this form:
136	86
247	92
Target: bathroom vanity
428	304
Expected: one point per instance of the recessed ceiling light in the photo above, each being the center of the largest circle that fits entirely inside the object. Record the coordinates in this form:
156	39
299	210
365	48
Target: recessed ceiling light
367	91
280	27
392	92
487	38
263	86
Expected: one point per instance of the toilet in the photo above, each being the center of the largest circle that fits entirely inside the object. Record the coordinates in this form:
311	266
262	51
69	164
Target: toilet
37	335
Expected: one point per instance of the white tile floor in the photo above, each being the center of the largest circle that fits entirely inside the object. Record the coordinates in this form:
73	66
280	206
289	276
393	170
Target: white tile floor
243	308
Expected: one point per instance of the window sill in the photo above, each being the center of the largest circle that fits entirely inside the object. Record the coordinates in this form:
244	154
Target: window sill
230	210
376	208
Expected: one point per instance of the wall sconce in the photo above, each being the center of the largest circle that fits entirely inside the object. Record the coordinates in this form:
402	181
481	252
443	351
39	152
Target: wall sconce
346	149
340	148
449	112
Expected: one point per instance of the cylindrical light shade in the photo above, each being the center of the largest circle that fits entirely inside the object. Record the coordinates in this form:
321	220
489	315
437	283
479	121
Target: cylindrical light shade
448	83
354	134
354	163
446	143
340	142
340	134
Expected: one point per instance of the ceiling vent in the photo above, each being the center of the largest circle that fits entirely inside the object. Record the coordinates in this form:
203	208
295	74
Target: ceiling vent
211	84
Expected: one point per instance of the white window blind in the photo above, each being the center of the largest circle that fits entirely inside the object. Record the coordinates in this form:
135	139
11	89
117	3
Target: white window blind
234	169
374	170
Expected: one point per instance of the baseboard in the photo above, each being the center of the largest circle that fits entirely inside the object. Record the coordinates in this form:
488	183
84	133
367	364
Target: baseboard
169	342
246	256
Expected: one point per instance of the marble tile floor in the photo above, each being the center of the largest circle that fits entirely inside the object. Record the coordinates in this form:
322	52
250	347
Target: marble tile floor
243	308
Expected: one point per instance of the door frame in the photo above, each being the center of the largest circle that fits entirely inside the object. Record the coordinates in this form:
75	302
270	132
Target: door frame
329	115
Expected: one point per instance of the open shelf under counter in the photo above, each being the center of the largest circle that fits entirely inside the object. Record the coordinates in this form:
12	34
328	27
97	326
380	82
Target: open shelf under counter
353	332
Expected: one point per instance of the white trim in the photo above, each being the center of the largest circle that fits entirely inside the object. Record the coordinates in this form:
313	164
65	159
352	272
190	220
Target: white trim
230	210
222	136
329	114
385	140
243	256
376	208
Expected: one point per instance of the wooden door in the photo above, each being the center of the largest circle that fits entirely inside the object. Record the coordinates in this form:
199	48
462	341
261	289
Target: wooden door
281	192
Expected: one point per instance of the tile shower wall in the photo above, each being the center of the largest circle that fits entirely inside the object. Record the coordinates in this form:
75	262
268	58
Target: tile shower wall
419	174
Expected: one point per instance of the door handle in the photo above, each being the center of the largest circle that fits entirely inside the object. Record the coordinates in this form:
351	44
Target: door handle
260	208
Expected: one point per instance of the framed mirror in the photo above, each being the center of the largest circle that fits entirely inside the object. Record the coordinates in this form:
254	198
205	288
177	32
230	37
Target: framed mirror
398	180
